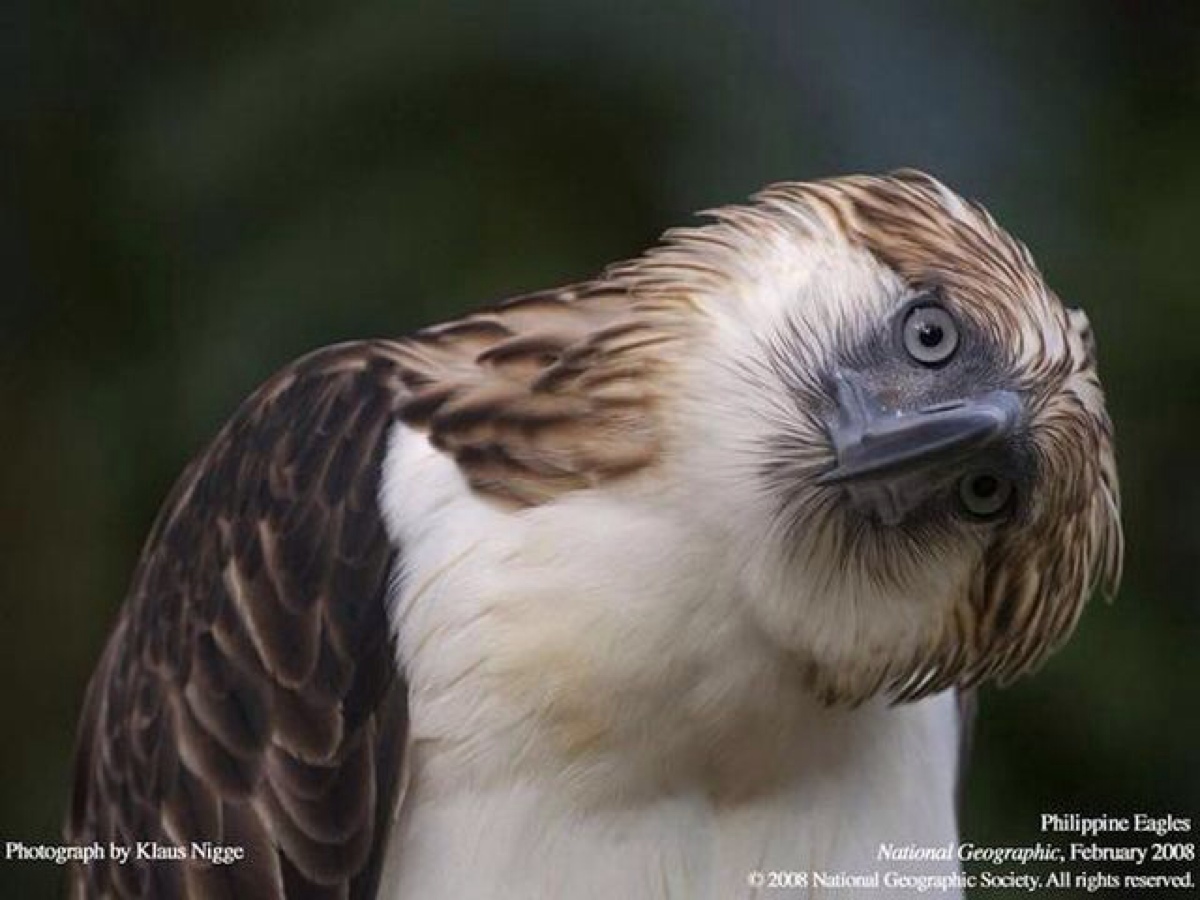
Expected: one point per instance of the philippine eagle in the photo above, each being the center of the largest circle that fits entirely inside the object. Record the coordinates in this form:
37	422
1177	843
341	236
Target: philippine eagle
634	589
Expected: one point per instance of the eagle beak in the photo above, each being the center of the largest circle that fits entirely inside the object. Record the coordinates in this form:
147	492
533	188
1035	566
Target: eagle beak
893	459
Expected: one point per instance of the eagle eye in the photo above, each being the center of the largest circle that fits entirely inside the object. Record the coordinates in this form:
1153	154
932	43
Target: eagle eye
930	335
985	495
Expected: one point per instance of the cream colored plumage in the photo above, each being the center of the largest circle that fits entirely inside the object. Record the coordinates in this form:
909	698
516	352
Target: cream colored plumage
688	564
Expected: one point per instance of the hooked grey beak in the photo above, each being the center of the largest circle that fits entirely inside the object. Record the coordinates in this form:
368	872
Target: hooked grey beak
891	460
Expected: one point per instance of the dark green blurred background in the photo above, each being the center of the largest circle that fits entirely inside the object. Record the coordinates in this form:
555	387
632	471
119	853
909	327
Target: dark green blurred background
200	192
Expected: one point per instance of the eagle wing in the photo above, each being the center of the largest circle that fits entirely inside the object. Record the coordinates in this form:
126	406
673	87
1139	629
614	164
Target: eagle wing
247	694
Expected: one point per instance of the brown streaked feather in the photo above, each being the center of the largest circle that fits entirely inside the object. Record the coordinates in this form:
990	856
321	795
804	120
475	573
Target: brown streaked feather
247	695
932	238
545	393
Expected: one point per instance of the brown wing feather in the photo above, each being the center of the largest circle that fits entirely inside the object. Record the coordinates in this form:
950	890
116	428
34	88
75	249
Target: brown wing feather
544	393
246	695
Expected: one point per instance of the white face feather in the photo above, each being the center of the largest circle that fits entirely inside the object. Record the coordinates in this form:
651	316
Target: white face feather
807	596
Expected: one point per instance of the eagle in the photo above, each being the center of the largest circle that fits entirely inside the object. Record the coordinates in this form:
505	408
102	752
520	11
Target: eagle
651	586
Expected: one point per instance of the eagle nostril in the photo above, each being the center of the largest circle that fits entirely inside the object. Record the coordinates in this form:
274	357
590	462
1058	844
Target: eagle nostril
945	406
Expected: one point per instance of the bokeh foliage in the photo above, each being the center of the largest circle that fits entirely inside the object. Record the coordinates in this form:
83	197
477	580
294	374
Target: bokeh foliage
203	191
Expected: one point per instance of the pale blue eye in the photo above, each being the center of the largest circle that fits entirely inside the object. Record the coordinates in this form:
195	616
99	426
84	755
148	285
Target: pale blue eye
930	335
984	494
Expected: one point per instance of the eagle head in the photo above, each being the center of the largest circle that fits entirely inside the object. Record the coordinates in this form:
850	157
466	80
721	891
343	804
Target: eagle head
896	427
